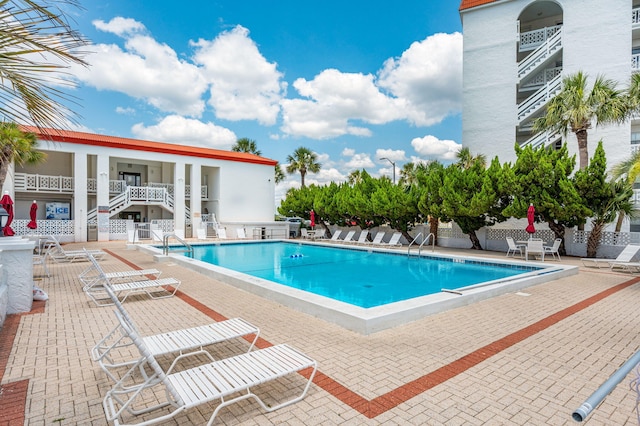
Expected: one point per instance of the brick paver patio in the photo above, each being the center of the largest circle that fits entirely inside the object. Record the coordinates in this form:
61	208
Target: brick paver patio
527	358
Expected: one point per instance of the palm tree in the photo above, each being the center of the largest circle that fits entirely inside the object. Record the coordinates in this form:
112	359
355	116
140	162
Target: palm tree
279	175
303	160
246	145
576	108
629	170
354	177
619	204
466	160
17	146
409	174
37	45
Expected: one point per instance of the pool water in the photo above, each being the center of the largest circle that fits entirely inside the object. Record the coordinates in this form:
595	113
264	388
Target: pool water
357	277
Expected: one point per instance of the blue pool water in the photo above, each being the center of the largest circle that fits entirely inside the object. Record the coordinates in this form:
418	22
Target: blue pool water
357	277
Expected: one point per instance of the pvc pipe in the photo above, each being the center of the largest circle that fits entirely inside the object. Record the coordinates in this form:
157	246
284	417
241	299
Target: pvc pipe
605	389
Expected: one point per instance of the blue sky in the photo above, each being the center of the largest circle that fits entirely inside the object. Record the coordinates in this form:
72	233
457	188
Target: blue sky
352	80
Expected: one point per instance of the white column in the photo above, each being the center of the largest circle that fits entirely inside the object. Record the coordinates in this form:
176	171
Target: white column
196	197
80	197
179	198
102	197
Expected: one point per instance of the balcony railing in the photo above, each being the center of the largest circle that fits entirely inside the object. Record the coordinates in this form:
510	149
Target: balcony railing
635	17
43	183
538	99
532	39
635	61
25	182
542	78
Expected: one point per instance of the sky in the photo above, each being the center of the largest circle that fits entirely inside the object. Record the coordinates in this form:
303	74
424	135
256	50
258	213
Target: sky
354	81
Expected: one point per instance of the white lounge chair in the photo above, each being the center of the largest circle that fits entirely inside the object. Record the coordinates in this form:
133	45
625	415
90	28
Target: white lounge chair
349	237
91	275
378	238
625	256
535	247
228	380
319	234
167	287
553	249
336	235
182	341
201	233
54	250
394	241
221	233
41	259
362	238
241	234
513	247
304	233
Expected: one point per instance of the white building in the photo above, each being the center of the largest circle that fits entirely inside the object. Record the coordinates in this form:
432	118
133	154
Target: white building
515	55
92	184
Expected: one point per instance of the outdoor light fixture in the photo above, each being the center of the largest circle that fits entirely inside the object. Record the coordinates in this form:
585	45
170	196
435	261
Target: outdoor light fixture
4	218
394	168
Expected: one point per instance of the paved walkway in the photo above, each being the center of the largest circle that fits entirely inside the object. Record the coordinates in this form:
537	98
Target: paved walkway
527	358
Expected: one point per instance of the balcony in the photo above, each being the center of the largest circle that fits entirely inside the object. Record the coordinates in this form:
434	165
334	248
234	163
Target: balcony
25	182
531	40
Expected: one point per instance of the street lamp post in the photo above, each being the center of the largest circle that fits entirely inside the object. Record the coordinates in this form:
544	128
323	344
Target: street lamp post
4	218
394	168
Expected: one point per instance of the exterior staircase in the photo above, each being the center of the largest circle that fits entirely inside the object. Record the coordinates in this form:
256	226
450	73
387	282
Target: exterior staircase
539	71
139	195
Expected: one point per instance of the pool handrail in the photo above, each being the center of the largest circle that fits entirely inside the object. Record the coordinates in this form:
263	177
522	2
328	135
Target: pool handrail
433	243
165	244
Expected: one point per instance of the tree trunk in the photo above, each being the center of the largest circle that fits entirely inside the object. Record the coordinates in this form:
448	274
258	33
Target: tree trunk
594	239
558	230
583	151
619	222
475	242
433	228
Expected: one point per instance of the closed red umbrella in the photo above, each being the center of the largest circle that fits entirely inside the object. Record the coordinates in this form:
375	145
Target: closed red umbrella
313	219
7	204
531	212
32	214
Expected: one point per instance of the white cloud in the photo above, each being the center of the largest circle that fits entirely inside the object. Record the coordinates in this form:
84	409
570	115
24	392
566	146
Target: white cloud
392	154
348	152
119	26
360	161
334	100
144	69
244	85
125	110
428	78
436	149
186	131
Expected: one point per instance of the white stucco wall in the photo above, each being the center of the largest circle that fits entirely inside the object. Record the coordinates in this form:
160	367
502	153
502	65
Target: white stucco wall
247	192
596	39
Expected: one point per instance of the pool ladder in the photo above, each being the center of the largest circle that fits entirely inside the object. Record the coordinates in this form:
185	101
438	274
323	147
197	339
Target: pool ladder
433	243
165	245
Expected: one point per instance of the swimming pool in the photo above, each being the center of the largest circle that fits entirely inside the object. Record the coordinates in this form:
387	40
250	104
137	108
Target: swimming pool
361	278
364	320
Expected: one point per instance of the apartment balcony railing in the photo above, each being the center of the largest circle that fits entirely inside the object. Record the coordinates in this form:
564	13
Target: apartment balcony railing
635	61
43	183
544	52
542	78
25	182
635	17
530	40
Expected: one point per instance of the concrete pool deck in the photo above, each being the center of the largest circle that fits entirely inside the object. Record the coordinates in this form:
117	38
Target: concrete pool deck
524	358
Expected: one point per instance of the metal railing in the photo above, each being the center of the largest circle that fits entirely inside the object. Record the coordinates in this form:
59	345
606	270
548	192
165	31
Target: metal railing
539	99
186	247
433	243
544	50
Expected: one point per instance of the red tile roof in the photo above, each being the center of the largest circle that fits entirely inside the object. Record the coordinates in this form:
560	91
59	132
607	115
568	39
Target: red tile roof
142	145
468	4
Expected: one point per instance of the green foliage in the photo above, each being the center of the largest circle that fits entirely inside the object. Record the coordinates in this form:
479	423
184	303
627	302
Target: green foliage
303	160
430	181
395	206
17	146
246	145
542	177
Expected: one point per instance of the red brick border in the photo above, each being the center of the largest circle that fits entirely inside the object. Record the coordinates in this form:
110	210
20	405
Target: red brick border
13	395
385	402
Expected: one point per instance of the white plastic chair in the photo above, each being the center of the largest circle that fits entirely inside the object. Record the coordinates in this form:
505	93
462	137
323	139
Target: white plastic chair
553	250
362	238
513	247
336	235
241	234
393	241
349	237
377	240
534	247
